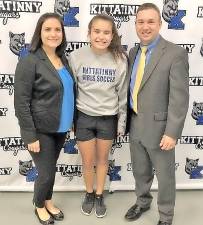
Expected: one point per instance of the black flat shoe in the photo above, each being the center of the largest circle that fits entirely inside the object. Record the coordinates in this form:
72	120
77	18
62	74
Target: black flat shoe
135	212
59	216
44	222
163	223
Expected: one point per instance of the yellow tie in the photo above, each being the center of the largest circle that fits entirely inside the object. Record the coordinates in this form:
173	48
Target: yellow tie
139	75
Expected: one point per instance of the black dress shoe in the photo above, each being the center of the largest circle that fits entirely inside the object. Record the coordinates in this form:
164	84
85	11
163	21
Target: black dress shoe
135	212
59	216
163	223
44	222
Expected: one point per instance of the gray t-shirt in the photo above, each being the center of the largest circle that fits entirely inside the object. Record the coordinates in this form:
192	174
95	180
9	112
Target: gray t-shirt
101	84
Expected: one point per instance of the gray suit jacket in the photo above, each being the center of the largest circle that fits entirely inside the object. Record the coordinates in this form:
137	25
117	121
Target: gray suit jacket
163	95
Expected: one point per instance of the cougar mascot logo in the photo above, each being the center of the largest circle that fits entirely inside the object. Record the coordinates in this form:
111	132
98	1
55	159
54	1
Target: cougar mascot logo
197	112
67	13
18	45
170	9
17	42
24	167
70	145
193	169
201	50
113	171
172	15
190	165
61	7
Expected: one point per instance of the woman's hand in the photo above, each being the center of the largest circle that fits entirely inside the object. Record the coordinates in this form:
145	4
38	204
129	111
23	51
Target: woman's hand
34	146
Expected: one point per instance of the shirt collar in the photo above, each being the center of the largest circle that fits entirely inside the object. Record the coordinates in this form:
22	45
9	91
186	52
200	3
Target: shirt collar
153	43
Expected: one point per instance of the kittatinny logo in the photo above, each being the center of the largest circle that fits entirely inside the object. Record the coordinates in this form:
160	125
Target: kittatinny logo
5	171
11	9
71	46
195	81
200	12
118	142
69	170
187	47
3	111
194	140
129	167
7	82
13	144
120	12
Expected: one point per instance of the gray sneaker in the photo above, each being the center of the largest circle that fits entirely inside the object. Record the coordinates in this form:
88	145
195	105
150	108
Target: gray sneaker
100	208
88	203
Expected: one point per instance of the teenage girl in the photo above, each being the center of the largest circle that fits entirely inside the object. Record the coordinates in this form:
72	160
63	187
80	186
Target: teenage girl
100	72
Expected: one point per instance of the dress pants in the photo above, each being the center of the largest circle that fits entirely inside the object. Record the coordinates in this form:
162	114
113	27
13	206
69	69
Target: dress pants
45	162
145	163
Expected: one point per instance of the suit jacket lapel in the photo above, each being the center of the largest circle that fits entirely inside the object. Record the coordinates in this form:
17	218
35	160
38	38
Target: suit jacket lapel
43	57
153	61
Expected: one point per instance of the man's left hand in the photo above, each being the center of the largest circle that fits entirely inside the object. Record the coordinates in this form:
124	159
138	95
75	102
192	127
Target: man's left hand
167	143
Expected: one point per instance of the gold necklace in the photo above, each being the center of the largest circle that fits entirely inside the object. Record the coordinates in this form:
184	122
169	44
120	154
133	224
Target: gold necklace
56	61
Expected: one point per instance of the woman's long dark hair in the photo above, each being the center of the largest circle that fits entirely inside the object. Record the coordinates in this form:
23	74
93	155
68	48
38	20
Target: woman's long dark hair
36	41
115	46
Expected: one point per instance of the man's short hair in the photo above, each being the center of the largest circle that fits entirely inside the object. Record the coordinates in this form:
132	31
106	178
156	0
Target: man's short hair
149	6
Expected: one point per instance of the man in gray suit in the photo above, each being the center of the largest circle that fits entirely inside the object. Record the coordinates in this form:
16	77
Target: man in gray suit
157	113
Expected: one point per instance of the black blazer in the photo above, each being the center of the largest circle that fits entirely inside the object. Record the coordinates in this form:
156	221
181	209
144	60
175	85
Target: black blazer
38	95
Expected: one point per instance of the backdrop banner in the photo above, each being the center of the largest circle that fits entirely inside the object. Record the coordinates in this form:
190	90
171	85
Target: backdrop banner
182	23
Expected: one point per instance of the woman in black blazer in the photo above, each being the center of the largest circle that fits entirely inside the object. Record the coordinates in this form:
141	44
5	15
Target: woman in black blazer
44	105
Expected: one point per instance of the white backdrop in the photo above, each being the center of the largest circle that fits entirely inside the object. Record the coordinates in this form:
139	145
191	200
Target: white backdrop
182	24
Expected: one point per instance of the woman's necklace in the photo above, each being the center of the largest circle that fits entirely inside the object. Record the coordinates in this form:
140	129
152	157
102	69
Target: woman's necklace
56	61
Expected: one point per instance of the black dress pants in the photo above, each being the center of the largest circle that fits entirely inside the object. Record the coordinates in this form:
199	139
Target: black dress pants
45	162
